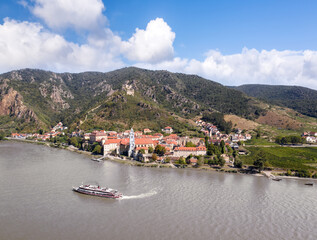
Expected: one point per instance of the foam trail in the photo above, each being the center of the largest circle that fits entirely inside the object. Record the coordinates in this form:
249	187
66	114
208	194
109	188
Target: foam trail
143	195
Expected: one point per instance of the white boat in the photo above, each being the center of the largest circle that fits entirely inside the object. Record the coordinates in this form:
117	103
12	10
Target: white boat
96	190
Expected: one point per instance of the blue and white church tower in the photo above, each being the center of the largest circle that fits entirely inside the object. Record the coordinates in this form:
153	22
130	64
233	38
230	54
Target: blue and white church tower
132	142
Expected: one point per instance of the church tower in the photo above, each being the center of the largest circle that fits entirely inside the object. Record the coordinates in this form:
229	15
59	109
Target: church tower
132	142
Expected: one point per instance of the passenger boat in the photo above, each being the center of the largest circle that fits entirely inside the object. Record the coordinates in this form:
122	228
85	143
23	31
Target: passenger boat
95	190
277	179
309	184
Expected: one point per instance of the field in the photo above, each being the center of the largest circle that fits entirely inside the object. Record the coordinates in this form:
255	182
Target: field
260	142
294	158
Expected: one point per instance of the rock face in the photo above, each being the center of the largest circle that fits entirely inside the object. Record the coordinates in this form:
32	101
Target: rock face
12	104
56	96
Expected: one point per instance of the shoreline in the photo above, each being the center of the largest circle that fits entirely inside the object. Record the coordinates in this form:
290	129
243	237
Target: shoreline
71	148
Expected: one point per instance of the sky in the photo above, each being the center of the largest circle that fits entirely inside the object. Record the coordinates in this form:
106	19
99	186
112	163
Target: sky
232	42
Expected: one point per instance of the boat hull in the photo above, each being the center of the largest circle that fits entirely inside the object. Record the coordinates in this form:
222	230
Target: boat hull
98	194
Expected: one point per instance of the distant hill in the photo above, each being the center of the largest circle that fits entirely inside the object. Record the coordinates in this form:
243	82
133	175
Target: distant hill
32	99
301	99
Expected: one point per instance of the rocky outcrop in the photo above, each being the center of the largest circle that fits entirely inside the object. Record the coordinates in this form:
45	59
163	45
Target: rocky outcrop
56	96
12	104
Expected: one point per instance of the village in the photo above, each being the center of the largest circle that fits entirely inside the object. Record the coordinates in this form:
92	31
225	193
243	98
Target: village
148	146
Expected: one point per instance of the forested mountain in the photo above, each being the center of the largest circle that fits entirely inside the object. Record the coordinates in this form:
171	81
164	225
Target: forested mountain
126	97
301	99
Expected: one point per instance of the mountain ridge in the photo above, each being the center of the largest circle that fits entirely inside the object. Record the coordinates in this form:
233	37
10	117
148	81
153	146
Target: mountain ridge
122	98
301	99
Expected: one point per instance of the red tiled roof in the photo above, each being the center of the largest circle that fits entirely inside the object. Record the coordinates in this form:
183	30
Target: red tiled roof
138	141
172	136
169	141
111	141
193	160
125	141
146	136
143	141
158	134
192	149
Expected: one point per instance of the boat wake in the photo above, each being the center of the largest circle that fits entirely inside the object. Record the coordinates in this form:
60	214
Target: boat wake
143	195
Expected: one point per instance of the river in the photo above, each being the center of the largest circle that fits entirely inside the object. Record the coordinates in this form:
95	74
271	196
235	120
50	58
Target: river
37	201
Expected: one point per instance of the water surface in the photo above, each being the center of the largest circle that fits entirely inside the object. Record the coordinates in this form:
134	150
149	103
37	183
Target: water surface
36	201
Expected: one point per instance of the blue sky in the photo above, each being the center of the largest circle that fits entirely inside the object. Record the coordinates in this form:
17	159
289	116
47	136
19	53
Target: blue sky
231	42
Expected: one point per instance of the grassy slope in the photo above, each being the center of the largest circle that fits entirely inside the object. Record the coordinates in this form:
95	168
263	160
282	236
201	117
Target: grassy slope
303	100
285	157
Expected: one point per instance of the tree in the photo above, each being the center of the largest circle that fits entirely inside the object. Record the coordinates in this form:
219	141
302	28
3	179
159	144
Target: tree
258	133
200	161
142	151
190	144
237	163
181	160
74	142
97	149
221	161
167	160
289	140
1	136
229	150
260	160
151	150
235	153
154	157
160	150
211	149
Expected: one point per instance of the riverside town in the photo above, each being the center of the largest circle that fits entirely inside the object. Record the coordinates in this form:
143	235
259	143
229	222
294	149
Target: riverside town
215	151
151	147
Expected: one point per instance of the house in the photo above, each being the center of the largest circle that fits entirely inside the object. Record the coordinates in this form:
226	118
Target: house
139	143
168	130
87	136
193	161
157	136
138	133
186	151
111	145
146	130
310	139
234	146
248	136
97	136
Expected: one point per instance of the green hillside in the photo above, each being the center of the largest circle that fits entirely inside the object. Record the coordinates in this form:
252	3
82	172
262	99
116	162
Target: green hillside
121	98
302	100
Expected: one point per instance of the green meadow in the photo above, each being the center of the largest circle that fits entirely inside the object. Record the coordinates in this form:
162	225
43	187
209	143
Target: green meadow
293	158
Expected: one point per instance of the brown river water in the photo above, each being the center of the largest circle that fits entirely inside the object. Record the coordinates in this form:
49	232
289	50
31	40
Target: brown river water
37	201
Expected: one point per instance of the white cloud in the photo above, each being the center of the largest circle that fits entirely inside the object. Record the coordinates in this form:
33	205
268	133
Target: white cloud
30	45
250	66
80	14
154	44
25	44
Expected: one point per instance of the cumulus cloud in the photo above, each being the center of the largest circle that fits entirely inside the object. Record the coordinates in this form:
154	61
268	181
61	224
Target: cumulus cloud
154	44
25	44
80	14
250	66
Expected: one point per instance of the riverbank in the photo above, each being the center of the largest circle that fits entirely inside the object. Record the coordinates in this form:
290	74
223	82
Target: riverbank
226	169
